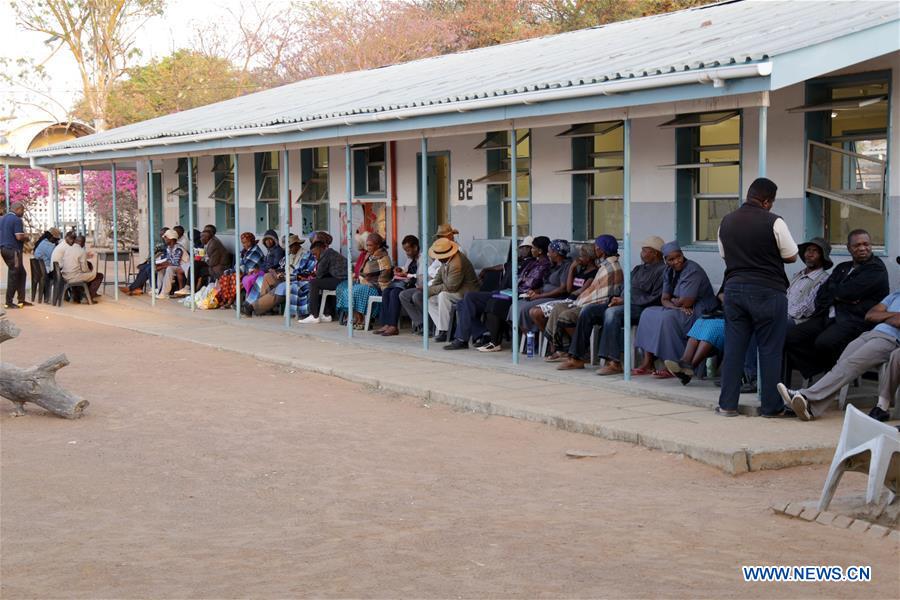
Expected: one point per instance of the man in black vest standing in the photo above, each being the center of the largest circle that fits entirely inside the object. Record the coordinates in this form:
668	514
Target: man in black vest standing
755	244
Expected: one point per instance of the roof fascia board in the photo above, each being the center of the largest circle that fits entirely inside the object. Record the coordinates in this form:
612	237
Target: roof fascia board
413	127
833	55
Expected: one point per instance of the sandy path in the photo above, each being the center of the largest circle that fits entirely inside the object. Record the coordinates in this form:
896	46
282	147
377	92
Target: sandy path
198	473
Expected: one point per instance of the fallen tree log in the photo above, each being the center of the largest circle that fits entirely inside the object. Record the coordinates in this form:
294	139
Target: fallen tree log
37	384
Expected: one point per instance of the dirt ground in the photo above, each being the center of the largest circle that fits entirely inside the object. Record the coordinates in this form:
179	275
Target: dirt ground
202	474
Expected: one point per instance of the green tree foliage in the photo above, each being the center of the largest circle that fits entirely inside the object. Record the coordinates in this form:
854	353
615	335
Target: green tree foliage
177	82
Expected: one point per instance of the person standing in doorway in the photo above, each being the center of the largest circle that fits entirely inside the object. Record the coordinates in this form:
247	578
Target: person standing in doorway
12	245
755	244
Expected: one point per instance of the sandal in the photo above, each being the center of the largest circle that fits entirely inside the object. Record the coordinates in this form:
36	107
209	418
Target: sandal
556	357
641	371
662	374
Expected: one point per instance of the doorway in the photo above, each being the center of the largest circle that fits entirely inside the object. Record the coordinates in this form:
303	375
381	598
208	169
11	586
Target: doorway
438	182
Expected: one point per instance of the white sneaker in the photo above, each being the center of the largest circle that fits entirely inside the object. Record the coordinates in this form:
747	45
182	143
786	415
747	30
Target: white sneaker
490	347
308	320
325	319
185	291
162	296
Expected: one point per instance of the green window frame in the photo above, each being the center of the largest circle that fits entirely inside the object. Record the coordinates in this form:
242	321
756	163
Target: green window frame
268	213
498	160
848	128
181	192
223	192
370	170
708	173
598	169
314	189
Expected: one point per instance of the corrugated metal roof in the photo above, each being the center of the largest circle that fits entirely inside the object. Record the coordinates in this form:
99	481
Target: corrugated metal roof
716	35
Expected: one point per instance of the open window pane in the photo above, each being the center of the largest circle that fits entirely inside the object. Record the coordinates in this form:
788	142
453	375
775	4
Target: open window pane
268	191
847	177
606	217
522	213
839	104
224	190
496	140
700	119
591	129
710	212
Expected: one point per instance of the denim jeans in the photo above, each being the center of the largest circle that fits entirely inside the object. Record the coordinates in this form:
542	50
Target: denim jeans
753	309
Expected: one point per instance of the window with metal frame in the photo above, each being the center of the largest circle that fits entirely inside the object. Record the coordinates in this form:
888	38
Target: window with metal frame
313	197
708	167
498	180
268	213
598	154
181	192
370	170
847	154
223	191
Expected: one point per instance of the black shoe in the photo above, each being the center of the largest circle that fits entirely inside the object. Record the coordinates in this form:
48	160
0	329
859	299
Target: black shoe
787	413
457	345
25	303
247	309
441	336
879	414
748	388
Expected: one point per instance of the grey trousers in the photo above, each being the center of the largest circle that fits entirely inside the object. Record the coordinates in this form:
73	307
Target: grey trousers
411	301
440	306
890	383
866	352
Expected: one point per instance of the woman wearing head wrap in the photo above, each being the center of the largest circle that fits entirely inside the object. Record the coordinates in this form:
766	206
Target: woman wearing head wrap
580	273
663	330
555	284
606	284
373	275
494	307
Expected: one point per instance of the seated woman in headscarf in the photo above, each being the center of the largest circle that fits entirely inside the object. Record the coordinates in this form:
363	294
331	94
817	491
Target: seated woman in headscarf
555	284
272	253
341	303
374	277
251	259
580	272
706	337
663	330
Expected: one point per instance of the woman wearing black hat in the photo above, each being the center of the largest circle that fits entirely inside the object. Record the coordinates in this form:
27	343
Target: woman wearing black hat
801	293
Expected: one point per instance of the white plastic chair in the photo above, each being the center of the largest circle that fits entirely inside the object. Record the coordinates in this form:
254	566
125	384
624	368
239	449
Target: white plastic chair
866	446
325	295
372	300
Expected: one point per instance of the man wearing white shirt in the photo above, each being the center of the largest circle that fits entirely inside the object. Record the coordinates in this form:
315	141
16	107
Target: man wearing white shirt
75	268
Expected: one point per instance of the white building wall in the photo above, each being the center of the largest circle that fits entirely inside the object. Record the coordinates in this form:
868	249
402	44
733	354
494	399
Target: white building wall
653	189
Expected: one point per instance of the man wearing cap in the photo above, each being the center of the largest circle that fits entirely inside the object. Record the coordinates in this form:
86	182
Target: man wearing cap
12	245
45	248
75	267
411	300
454	279
755	244
606	284
172	263
801	293
646	291
841	306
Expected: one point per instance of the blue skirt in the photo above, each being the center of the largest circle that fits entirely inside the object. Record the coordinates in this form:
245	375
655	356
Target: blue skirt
709	330
361	294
